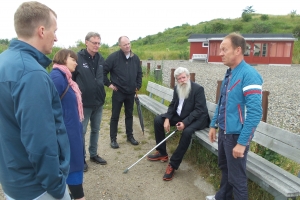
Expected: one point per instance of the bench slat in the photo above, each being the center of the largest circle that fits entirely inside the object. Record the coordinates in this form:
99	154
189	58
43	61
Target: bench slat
152	105
159	90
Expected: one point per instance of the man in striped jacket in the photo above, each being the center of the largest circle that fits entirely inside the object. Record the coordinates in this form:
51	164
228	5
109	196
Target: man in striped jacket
236	117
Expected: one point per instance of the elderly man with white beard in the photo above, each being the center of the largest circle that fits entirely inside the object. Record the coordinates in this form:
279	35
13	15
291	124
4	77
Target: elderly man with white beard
188	112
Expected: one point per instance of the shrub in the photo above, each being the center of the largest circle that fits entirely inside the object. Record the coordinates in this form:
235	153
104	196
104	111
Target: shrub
261	27
246	17
217	27
264	17
237	27
296	31
181	40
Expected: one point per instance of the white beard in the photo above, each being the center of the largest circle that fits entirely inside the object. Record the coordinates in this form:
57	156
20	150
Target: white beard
184	90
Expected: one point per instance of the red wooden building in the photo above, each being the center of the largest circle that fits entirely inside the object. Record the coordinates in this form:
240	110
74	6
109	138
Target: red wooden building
271	49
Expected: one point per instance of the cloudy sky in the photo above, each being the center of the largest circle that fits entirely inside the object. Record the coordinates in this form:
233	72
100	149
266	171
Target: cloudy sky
136	18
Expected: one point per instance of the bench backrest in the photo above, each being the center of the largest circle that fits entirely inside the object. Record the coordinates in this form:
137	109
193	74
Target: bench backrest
163	92
279	140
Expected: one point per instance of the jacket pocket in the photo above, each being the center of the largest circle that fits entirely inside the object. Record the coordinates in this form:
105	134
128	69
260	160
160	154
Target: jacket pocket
240	114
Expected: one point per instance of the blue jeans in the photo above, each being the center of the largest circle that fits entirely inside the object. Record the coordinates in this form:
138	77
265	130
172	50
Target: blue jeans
94	115
234	178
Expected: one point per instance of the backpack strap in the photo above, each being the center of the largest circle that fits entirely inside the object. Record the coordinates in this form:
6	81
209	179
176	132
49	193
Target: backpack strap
63	94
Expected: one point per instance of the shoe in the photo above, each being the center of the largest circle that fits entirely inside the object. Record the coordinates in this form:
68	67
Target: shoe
169	173
212	197
97	159
132	140
85	167
114	144
158	156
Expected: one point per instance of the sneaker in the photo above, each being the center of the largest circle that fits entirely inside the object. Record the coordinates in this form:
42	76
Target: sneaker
158	156
212	197
169	173
97	159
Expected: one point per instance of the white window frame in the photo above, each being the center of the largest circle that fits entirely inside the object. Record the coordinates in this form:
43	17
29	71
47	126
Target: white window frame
205	44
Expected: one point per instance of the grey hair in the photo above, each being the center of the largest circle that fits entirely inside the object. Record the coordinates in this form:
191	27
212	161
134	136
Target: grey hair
181	70
92	34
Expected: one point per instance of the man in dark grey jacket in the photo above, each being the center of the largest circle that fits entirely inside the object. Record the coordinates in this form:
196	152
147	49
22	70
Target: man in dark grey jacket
125	78
89	77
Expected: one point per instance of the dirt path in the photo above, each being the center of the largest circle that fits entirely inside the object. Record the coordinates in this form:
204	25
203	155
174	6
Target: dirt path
144	180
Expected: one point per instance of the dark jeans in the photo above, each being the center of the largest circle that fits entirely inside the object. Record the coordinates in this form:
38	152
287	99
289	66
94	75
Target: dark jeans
234	178
118	98
184	142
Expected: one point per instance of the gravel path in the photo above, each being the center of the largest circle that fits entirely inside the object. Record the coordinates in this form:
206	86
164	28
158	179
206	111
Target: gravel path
281	81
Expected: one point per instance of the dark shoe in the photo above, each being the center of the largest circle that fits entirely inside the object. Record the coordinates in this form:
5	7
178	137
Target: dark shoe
132	140
114	144
169	173
158	156
97	159
85	167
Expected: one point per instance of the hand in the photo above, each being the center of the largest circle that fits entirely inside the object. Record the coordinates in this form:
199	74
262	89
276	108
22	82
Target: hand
114	88
212	135
167	125
238	151
180	126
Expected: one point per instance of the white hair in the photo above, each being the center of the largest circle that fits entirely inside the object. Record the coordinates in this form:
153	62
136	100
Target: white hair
181	70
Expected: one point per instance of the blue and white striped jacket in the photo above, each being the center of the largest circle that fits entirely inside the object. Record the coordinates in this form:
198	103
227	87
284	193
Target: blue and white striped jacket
243	110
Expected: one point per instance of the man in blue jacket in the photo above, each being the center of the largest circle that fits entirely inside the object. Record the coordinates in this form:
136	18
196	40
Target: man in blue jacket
236	117
34	145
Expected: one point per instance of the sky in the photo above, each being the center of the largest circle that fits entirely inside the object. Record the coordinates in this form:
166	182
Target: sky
135	18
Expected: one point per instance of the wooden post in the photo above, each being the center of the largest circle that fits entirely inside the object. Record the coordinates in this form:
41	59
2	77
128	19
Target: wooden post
192	77
172	78
141	62
219	82
148	68
265	104
158	67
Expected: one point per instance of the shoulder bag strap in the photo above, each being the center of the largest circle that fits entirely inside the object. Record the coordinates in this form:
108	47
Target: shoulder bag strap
63	94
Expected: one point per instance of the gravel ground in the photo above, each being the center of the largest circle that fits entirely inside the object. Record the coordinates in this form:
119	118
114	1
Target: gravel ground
281	81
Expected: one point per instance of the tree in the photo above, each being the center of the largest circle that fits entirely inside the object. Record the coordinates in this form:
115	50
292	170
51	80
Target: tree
248	9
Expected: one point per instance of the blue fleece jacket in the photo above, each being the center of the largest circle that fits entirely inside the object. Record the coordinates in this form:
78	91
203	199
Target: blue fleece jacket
34	145
243	109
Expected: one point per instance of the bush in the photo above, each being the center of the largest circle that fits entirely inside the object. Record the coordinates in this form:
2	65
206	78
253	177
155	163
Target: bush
264	17
181	40
246	17
217	27
261	27
237	27
296	31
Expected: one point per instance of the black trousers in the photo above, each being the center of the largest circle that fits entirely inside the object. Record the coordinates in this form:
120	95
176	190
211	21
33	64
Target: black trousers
185	138
118	99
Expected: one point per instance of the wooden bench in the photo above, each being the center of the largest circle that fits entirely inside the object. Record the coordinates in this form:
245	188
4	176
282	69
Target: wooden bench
199	57
280	183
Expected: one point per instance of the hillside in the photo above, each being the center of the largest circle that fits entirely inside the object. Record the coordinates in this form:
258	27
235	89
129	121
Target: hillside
172	44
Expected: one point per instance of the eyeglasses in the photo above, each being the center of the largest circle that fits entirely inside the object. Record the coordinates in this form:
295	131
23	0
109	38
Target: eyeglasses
94	43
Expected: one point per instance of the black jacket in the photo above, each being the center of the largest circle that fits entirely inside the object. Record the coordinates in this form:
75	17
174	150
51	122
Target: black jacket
194	108
90	81
125	74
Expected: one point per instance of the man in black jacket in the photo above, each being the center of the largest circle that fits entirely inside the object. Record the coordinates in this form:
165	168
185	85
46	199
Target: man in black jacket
188	112
125	78
89	77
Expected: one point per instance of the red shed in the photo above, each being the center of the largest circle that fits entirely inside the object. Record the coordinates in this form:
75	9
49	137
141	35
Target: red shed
270	49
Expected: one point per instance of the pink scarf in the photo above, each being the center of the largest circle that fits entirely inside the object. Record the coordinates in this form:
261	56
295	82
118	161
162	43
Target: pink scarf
74	86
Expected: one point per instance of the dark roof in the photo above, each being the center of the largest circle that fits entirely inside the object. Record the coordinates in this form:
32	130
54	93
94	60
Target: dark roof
268	36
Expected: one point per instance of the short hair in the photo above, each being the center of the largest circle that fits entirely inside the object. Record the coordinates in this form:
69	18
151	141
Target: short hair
120	38
29	16
237	40
62	55
92	34
181	70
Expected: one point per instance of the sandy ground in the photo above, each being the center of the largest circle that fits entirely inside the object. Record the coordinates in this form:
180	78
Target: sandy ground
142	181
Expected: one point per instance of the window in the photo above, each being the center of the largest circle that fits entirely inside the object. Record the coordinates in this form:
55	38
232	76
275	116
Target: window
205	44
265	50
247	51
280	49
214	49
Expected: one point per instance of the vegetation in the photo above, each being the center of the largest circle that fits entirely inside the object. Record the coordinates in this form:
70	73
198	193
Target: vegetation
173	43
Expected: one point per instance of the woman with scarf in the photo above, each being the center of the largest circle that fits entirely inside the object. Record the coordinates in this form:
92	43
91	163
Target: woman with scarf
64	63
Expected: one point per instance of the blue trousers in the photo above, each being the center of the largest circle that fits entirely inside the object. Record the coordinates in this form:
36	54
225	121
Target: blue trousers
94	115
234	178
